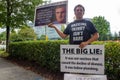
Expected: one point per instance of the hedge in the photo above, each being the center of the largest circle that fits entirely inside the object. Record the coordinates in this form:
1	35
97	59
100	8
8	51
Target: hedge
47	54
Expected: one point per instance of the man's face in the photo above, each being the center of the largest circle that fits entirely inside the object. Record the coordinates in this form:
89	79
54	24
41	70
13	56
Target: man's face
79	12
60	14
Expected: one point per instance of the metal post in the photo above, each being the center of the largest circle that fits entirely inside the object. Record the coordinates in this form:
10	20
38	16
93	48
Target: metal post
46	37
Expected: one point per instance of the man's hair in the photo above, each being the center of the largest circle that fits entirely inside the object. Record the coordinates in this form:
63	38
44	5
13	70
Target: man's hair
79	5
60	6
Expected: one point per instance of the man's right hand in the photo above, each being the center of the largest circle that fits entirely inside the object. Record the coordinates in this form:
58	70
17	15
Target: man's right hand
61	34
51	25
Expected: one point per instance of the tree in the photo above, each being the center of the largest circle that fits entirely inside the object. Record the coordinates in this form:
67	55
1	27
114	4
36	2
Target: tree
23	34
103	27
15	13
2	36
119	35
42	37
14	36
27	33
116	36
62	27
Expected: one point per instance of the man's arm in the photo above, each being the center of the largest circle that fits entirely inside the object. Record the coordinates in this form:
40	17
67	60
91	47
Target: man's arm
61	34
93	38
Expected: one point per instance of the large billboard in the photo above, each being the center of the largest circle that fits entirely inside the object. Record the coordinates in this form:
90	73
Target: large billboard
51	13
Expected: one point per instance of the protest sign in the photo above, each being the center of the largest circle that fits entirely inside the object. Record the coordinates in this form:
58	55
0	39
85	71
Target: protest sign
84	77
89	59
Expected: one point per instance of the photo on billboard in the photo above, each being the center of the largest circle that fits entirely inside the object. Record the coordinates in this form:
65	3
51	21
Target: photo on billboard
55	13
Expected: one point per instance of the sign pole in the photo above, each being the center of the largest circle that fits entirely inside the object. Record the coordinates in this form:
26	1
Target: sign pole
46	37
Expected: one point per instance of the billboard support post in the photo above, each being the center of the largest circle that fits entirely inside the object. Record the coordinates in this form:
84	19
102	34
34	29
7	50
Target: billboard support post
46	37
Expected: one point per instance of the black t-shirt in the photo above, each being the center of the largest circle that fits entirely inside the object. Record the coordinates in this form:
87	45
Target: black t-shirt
80	31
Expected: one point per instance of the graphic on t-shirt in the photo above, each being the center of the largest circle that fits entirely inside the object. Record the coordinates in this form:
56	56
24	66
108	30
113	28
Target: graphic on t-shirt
77	30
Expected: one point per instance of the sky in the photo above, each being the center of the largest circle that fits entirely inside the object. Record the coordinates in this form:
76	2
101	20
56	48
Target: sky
109	9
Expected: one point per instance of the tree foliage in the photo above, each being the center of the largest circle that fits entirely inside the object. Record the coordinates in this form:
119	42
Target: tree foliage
27	33
3	36
14	37
15	13
19	11
103	27
116	36
24	34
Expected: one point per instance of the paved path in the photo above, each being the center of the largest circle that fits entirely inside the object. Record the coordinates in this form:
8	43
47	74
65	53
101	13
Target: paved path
10	71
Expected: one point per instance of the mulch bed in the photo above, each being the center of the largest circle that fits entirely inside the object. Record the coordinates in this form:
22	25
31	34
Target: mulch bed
37	69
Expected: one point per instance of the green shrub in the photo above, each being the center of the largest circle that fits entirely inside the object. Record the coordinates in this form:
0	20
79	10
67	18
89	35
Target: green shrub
112	59
47	54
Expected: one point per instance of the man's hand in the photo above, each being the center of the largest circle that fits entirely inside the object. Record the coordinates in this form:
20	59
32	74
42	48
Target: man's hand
83	44
51	25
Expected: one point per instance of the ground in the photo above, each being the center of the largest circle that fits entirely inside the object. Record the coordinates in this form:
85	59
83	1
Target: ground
37	69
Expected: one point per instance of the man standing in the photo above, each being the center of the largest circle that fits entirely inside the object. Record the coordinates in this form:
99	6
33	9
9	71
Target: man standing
81	31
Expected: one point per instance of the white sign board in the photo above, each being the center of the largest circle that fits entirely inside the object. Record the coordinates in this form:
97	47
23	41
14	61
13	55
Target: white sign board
89	59
84	77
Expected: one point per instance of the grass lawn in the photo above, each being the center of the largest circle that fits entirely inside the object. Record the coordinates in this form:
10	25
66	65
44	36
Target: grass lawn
3	54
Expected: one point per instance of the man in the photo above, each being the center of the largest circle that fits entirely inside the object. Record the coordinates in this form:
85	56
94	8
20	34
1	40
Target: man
60	15
81	31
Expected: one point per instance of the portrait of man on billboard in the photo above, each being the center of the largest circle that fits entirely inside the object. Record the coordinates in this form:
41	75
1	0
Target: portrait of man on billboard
60	15
51	13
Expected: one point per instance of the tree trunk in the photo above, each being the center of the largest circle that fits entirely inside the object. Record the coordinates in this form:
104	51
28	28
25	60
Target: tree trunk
8	25
7	38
